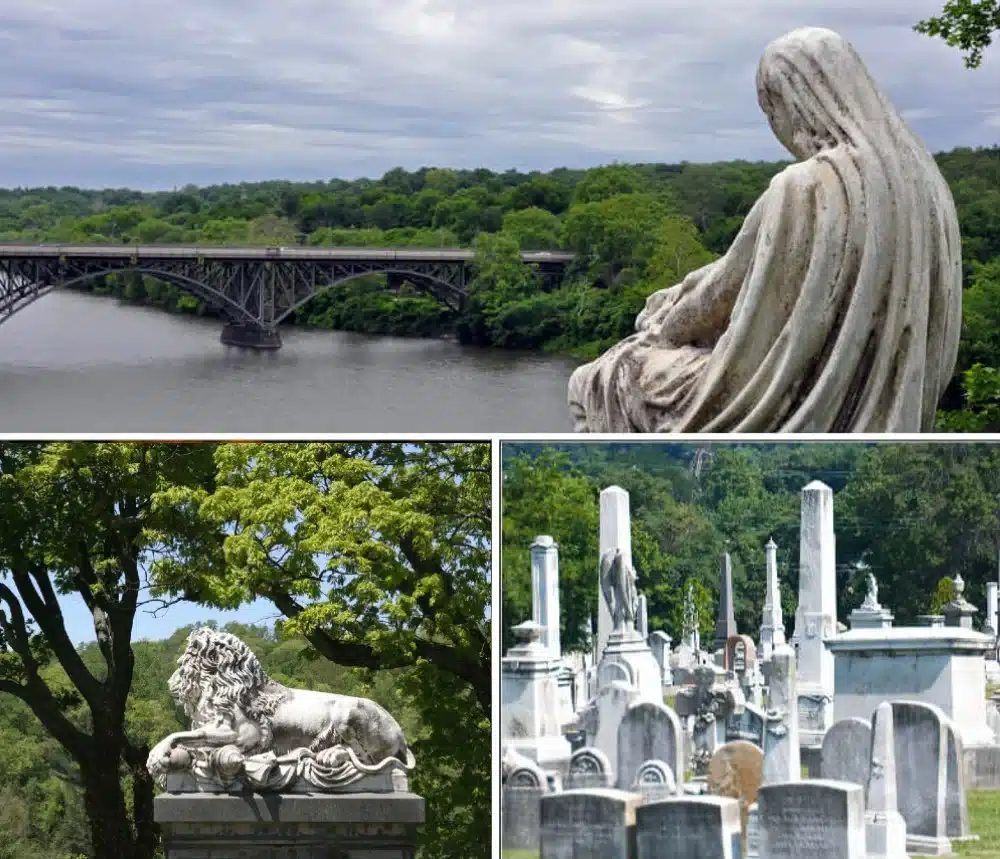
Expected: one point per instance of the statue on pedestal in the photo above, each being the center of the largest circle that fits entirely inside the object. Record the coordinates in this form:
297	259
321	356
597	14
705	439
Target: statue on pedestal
618	584
248	731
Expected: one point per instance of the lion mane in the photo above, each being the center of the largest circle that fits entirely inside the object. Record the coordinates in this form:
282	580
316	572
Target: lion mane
219	673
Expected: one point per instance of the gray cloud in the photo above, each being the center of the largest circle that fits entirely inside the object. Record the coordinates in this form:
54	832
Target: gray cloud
150	94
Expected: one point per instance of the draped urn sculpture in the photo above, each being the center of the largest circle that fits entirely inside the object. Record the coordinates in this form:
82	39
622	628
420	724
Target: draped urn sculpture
249	732
838	306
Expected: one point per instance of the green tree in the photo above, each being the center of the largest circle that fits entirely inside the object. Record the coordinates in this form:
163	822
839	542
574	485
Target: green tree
379	555
965	24
943	594
79	517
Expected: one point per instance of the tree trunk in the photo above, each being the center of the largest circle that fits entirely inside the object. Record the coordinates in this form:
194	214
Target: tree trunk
146	831
110	829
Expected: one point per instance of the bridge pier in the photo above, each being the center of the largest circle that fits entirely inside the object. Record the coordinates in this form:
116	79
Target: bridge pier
250	336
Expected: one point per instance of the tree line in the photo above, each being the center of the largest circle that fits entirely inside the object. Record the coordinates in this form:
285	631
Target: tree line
635	229
915	515
375	556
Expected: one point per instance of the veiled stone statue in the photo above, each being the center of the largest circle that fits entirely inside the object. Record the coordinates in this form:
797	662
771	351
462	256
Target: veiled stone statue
836	309
618	584
249	732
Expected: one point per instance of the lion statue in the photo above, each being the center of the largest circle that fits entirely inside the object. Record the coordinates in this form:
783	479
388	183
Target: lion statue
240	712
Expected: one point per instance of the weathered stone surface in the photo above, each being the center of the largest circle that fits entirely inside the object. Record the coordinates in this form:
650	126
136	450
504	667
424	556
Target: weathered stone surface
930	779
725	622
772	626
280	826
817	819
696	827
522	792
847	749
545	591
885	829
792	330
648	731
735	771
782	756
588	768
588	824
616	533
654	781
294	736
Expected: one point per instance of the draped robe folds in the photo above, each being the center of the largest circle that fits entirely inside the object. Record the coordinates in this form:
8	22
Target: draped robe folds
837	309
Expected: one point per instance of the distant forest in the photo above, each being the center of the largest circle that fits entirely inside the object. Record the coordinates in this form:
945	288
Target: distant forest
636	229
915	515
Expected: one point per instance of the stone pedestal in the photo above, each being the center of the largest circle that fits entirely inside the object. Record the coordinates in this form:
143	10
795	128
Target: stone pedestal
870	618
616	533
628	649
288	826
545	592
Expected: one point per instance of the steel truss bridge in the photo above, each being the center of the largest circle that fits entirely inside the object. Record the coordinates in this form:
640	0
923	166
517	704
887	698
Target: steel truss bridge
253	289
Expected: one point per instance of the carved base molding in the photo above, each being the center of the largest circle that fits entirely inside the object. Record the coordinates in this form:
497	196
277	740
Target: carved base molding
288	826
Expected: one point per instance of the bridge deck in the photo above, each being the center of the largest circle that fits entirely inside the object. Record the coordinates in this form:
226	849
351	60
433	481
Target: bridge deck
299	254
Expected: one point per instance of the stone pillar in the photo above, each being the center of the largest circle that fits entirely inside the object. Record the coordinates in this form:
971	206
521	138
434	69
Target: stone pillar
959	612
816	614
782	757
616	533
642	617
725	621
545	592
885	830
772	627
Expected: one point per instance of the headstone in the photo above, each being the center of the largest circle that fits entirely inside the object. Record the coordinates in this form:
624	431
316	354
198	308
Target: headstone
747	725
885	830
588	824
707	706
772	627
588	768
735	771
522	794
753	831
648	731
545	592
725	623
602	718
655	781
813	819
696	827
847	749
816	615
659	643
782	756
930	777
616	533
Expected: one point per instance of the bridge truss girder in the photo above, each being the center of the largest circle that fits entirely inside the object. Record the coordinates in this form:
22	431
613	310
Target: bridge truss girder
250	293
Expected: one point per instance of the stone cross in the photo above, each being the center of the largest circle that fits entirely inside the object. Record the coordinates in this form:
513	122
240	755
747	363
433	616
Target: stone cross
772	627
545	592
616	533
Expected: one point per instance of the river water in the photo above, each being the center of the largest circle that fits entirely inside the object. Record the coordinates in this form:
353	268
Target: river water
73	362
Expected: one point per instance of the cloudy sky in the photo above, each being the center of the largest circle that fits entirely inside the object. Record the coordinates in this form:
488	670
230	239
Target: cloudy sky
158	94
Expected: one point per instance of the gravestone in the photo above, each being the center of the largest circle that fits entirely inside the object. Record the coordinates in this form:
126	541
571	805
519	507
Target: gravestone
930	777
615	533
735	771
725	622
782	756
659	643
522	794
648	731
772	627
747	725
545	592
588	824
885	830
588	768
847	749
654	781
812	819
696	827
603	717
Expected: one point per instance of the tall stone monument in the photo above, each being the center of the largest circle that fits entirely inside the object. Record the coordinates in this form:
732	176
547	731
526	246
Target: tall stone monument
772	627
616	533
885	829
725	622
816	614
545	592
531	714
267	771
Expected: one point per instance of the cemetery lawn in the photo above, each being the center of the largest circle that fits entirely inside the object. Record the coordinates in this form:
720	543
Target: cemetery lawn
984	820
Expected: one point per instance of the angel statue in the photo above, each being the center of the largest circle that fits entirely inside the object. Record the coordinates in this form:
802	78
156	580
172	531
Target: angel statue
618	586
838	305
